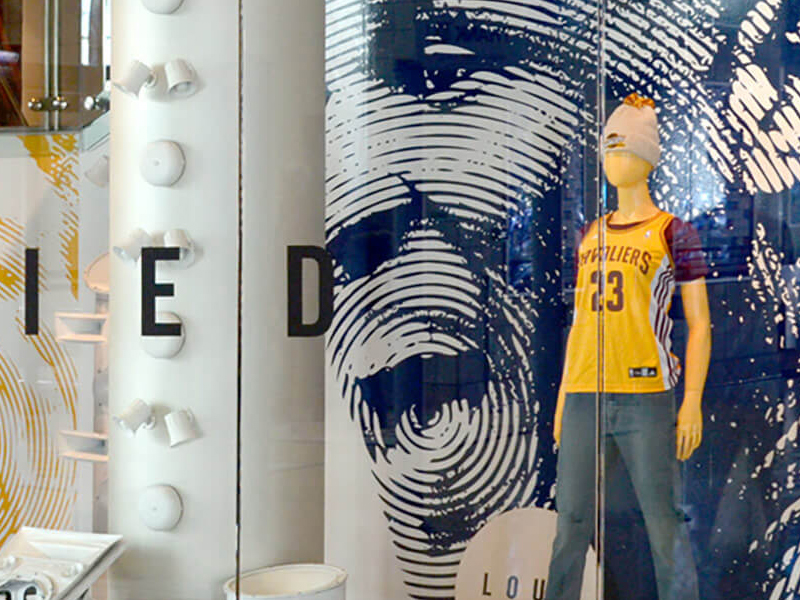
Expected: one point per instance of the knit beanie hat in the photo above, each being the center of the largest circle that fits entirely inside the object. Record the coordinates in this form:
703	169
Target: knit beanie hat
633	127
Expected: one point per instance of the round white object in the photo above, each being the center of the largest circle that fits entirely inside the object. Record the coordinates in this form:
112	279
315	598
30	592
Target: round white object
162	7
165	346
96	275
162	163
284	582
160	507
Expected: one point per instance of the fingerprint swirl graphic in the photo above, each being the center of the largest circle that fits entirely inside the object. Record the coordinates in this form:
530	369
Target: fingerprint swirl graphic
742	131
431	345
444	116
442	470
36	487
38	380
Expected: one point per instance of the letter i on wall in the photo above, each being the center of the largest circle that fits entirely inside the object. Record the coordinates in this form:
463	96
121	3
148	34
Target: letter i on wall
31	291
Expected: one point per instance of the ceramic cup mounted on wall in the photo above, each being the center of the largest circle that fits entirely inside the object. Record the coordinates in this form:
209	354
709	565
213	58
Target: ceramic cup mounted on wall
162	7
137	415
179	238
181	427
181	78
131	247
98	173
162	163
136	76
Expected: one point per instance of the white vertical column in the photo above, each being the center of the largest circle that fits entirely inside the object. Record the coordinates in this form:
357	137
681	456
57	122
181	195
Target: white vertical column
283	408
282	404
193	560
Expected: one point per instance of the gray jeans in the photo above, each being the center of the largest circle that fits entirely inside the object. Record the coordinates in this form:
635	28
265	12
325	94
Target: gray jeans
639	429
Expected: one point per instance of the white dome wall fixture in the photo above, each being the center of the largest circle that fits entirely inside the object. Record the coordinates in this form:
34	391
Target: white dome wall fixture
162	163
165	346
160	507
162	7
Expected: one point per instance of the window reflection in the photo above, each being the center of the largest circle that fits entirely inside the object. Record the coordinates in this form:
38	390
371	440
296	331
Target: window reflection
10	70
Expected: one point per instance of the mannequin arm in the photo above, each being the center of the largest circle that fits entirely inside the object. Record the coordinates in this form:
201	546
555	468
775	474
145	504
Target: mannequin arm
698	354
560	402
559	415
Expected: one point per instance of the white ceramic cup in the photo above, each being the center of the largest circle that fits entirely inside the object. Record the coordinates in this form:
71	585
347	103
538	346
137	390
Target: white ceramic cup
98	172
136	76
181	427
138	414
131	248
181	78
179	238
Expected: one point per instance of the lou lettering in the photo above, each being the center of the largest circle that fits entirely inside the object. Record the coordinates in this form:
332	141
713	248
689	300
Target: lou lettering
512	588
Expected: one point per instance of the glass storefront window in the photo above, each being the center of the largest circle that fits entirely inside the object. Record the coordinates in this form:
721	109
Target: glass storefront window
399	299
55	58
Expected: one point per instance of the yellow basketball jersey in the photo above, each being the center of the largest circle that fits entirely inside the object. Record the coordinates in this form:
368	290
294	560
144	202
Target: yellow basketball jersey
628	283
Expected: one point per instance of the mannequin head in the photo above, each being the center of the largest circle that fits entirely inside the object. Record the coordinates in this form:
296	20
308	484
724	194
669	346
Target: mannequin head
631	142
625	169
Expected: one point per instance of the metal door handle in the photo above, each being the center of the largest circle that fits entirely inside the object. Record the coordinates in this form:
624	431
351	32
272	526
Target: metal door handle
59	103
98	102
48	103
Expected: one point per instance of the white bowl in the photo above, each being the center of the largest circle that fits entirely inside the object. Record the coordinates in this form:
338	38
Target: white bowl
286	582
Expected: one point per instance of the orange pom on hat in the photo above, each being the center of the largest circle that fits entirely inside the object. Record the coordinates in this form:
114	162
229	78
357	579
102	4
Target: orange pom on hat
633	127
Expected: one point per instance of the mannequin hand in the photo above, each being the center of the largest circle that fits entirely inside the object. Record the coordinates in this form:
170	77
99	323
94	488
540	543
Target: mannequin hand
557	418
557	427
690	426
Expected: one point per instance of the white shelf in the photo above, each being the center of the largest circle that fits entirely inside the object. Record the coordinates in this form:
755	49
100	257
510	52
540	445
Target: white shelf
85	457
82	338
83	328
84	446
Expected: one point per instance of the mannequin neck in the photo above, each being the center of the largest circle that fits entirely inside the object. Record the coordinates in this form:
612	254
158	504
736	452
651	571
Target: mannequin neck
634	203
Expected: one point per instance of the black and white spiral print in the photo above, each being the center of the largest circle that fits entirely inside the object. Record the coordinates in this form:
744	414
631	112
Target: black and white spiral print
432	342
448	122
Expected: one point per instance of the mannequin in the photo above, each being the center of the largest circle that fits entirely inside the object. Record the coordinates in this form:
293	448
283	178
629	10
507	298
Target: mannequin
628	283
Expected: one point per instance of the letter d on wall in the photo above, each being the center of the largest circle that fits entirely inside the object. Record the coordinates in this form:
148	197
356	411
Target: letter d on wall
295	257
